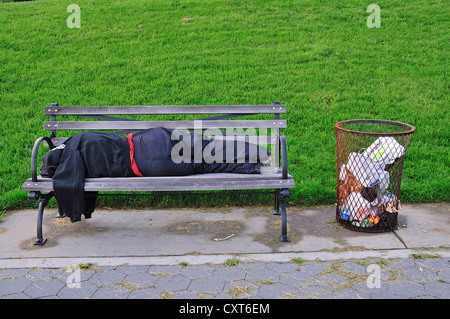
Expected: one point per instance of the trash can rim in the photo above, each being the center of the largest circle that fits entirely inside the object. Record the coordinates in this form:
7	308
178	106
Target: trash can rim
410	129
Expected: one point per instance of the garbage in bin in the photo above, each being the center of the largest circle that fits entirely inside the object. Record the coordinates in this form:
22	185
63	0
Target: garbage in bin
366	170
363	194
390	203
385	150
369	172
351	184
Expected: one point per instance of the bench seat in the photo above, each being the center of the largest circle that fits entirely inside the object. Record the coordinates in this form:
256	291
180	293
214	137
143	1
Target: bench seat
205	182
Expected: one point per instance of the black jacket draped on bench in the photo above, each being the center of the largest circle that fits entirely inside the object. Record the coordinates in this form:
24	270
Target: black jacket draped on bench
93	154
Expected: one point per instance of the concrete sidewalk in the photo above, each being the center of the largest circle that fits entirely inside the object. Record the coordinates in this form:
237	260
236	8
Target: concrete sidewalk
201	241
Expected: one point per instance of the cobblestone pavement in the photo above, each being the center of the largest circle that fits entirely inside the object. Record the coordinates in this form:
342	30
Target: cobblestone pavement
371	278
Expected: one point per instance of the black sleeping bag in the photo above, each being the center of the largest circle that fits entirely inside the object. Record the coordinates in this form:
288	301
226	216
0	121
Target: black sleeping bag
157	152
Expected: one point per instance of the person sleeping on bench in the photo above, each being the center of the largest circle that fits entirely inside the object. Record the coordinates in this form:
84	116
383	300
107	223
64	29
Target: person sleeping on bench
154	152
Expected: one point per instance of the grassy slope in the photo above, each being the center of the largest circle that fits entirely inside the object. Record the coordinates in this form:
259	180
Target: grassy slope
318	57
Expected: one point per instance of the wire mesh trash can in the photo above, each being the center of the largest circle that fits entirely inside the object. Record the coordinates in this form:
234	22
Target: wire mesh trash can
370	156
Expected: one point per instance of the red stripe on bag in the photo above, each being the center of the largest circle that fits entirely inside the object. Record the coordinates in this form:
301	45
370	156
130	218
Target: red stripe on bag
133	162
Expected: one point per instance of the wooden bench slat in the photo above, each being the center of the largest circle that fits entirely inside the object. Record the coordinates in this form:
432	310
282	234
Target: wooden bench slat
185	186
190	178
219	181
165	109
141	125
262	140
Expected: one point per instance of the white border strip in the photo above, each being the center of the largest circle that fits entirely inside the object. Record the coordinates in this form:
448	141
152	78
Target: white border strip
211	259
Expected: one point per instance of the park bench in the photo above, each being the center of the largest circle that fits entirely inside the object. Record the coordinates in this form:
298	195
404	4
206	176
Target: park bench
107	118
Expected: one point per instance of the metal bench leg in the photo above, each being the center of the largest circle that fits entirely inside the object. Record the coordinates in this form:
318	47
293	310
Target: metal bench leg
43	201
284	236
276	204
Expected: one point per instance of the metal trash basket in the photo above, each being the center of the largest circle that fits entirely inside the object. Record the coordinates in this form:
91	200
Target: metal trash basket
370	156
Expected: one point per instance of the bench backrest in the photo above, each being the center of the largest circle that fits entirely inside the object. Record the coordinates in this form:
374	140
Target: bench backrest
225	117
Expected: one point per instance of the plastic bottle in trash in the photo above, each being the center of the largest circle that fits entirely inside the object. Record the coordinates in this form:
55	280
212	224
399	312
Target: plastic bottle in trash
382	179
344	213
366	223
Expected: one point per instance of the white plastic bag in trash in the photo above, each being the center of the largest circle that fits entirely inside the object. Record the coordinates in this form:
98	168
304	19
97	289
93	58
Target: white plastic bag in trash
366	170
385	150
358	207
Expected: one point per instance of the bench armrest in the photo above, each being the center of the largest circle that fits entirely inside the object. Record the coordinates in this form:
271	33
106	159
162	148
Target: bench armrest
34	155
285	171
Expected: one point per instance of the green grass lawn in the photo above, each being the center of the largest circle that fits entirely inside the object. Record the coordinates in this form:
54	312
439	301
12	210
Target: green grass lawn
317	57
